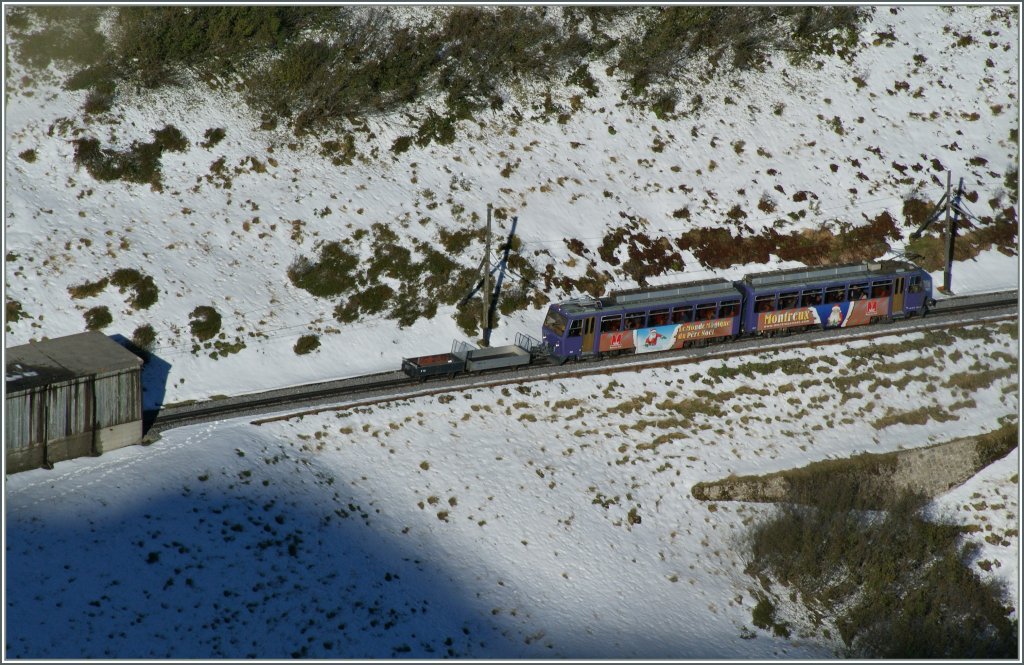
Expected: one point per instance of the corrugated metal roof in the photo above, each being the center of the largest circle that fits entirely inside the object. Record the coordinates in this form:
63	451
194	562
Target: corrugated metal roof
64	358
845	272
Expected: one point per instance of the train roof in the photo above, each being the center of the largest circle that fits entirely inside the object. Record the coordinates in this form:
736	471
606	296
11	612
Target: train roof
656	295
839	273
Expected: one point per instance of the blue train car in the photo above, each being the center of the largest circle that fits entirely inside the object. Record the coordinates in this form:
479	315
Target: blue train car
833	297
643	320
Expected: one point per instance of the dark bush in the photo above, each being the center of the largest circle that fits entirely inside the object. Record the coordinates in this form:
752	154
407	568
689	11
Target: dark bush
144	290
170	138
144	337
155	42
12	311
89	289
899	584
28	155
330	276
140	164
204	322
213	136
306	344
98	318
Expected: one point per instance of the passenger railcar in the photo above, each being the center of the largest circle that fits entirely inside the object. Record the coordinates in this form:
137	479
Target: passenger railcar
782	302
834	297
643	320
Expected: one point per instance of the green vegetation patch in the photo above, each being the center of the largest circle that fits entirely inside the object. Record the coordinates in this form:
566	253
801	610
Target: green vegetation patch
306	344
331	275
13	311
88	289
898	585
393	282
98	318
144	292
64	34
144	337
204	322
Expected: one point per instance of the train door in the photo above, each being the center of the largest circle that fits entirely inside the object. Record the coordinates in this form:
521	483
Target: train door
588	334
897	296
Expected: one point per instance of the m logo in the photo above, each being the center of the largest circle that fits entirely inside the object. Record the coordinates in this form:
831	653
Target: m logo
872	307
615	341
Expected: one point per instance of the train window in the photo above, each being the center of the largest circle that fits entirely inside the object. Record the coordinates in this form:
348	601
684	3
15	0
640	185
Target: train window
834	294
556	321
788	300
915	284
881	289
658	317
575	327
858	291
682	314
729	308
635	320
810	298
611	323
706	312
764	303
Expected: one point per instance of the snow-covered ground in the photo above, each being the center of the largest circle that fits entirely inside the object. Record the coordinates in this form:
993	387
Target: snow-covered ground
493	522
325	537
226	238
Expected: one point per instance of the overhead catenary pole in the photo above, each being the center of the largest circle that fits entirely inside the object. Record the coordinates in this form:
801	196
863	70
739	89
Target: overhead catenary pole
952	227
485	319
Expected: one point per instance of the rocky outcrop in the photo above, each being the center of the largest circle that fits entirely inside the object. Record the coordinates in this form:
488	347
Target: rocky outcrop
870	480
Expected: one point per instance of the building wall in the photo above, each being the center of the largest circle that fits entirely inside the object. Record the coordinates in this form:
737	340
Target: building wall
83	416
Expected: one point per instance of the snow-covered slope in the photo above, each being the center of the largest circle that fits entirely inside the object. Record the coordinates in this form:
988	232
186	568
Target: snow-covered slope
552	519
225	235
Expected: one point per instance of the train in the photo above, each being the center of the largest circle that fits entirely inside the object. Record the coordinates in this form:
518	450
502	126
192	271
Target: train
678	316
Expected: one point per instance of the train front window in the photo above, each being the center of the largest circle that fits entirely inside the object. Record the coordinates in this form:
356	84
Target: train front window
555	321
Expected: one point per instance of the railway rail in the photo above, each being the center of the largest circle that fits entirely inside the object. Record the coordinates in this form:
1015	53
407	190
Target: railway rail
385	386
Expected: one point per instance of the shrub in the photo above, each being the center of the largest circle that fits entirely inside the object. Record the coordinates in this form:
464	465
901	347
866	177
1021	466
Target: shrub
144	337
330	276
139	164
213	136
204	323
170	138
144	290
155	42
898	583
89	289
306	344
98	318
28	155
12	311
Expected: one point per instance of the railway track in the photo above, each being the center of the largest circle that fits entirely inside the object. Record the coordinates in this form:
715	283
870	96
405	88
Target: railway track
384	386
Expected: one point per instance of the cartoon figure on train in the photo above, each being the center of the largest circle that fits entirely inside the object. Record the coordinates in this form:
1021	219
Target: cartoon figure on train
652	338
836	317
